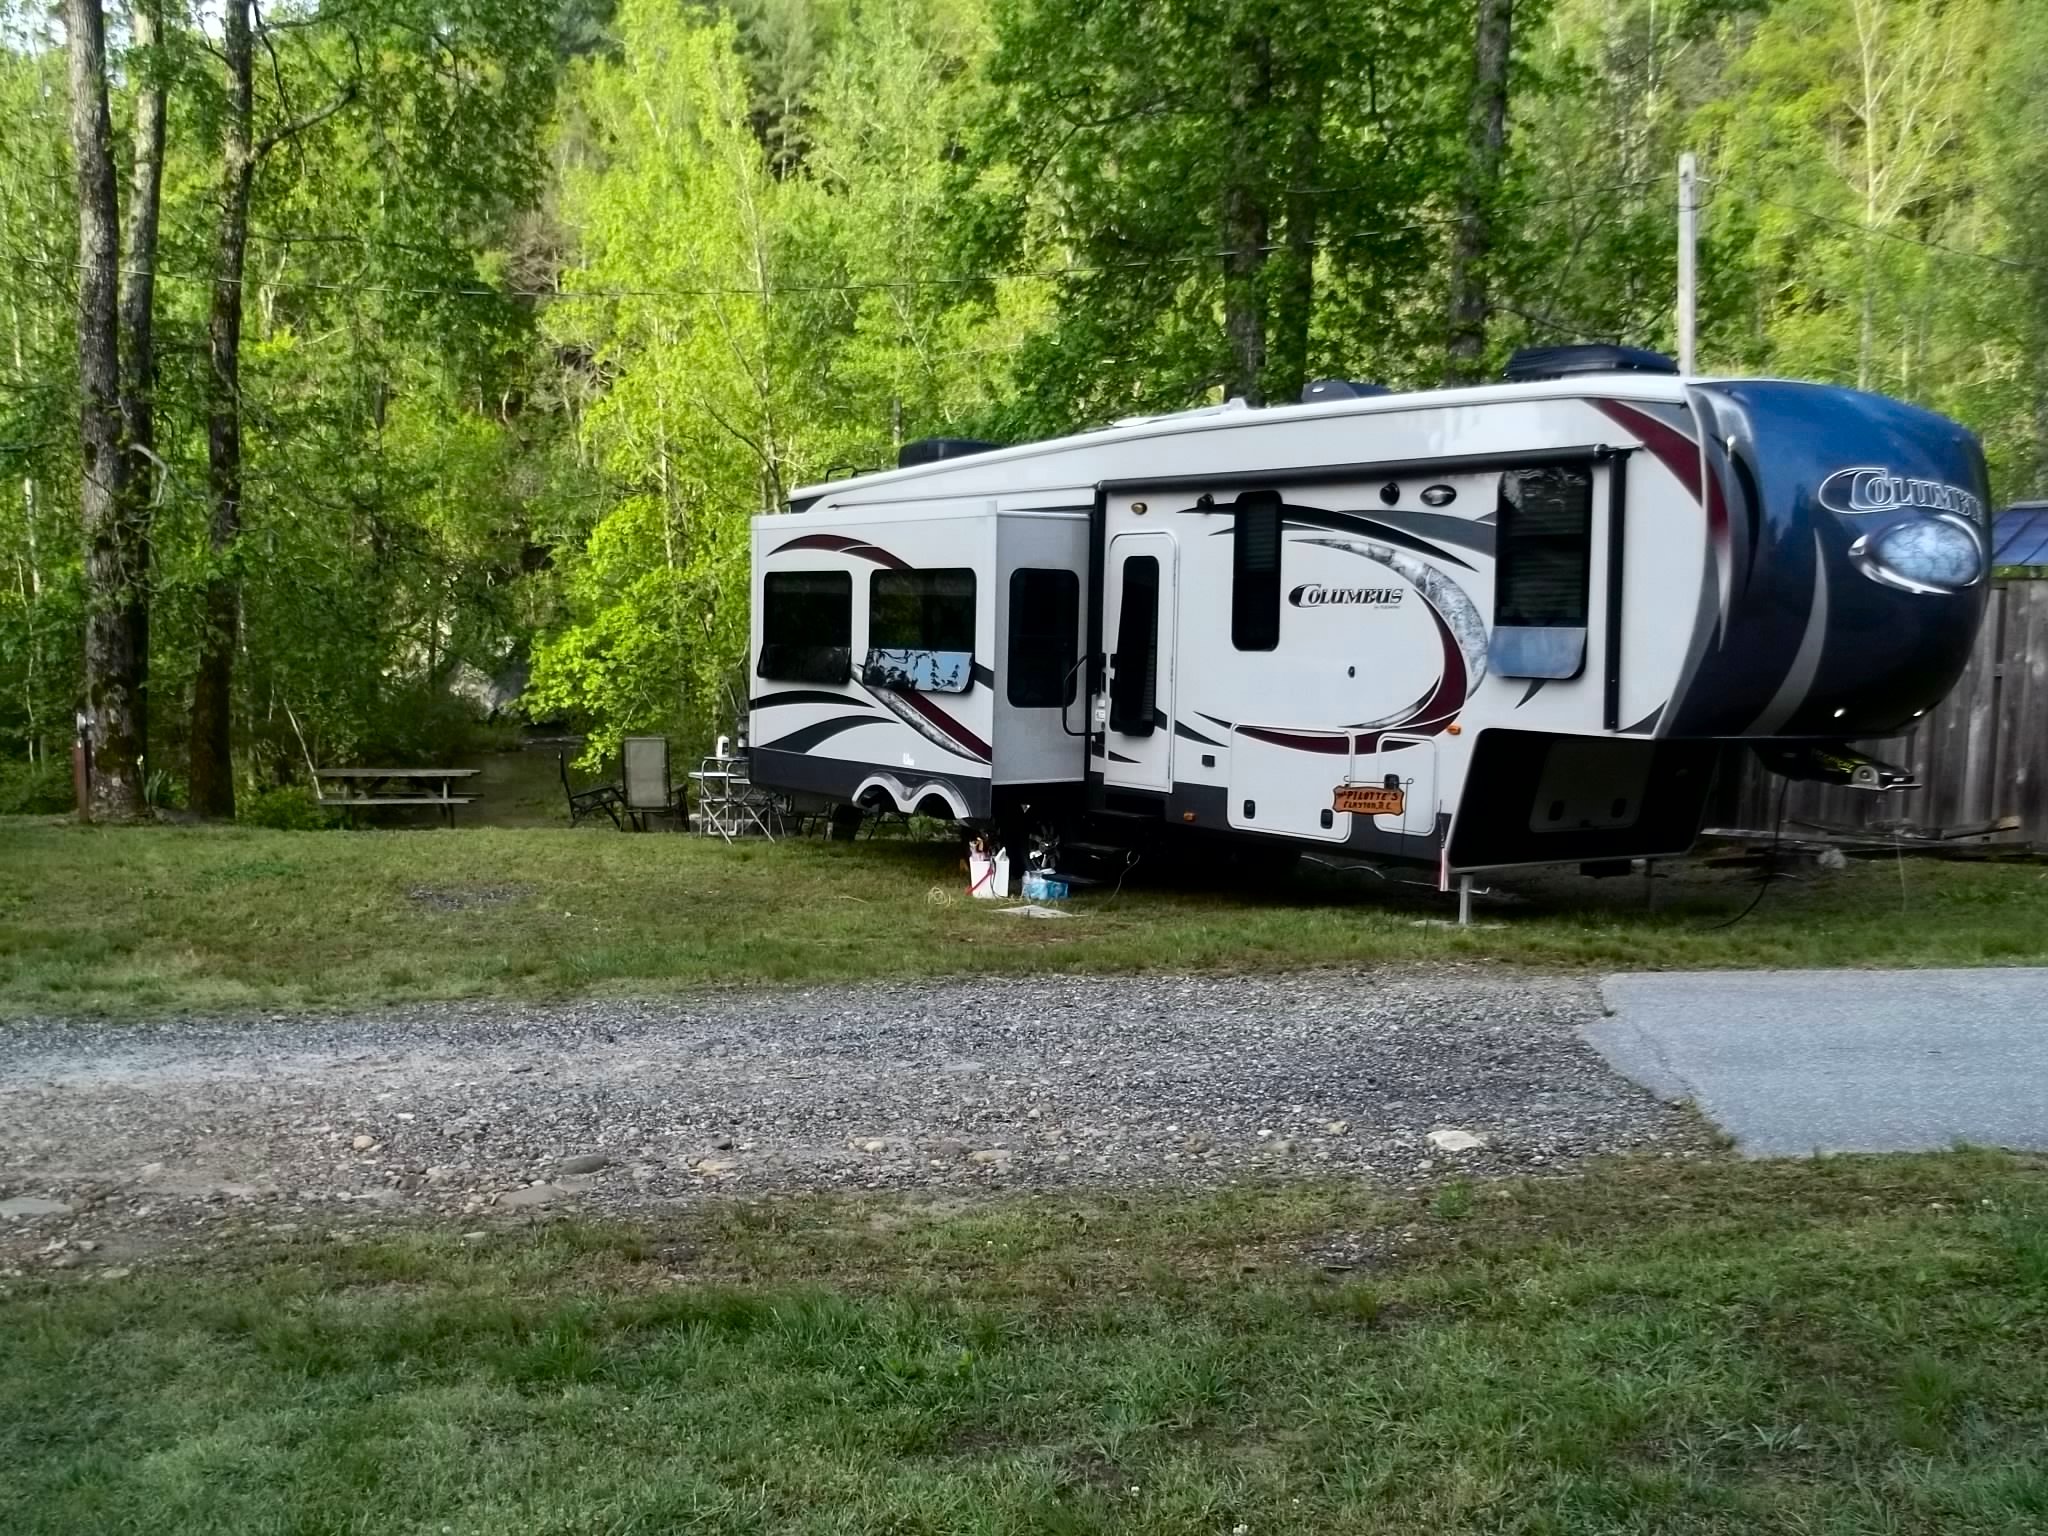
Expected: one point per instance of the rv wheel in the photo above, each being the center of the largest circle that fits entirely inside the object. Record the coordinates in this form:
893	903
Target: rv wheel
846	820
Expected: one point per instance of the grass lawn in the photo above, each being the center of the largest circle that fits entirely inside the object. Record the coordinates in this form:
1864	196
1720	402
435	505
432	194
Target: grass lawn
1856	1345
124	921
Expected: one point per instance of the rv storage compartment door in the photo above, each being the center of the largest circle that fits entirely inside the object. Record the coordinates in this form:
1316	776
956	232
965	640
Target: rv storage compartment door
1410	762
1139	628
1285	783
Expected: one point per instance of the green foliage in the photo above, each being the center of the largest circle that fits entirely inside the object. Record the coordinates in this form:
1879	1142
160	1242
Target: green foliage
1121	129
1873	203
746	316
561	296
40	788
289	808
384	370
41	613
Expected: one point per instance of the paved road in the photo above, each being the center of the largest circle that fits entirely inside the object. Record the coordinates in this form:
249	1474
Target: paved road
1796	1062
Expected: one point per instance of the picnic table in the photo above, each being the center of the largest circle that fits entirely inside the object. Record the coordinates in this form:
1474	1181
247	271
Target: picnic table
358	787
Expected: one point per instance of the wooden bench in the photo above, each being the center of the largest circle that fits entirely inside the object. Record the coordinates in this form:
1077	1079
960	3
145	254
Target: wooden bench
358	788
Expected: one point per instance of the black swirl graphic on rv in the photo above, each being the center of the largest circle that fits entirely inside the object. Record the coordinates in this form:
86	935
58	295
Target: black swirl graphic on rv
1426	533
840	544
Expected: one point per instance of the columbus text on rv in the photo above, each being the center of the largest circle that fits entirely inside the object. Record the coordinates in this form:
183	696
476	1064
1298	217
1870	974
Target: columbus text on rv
1484	627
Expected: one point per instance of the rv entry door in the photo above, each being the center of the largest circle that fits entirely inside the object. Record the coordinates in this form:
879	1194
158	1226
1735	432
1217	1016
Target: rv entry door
1139	612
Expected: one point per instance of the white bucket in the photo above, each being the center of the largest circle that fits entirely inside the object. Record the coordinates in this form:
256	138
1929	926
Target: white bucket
988	878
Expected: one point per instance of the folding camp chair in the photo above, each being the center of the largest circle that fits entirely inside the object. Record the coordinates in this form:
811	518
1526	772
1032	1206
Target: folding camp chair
649	791
597	800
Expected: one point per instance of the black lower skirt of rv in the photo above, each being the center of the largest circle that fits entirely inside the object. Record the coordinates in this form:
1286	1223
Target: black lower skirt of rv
1533	798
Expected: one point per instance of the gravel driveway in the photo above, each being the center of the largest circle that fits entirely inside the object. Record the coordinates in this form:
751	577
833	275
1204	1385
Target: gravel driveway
115	1137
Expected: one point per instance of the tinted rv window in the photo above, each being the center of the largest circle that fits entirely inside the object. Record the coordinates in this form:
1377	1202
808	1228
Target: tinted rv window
806	626
1545	544
1045	609
921	610
1134	691
1255	573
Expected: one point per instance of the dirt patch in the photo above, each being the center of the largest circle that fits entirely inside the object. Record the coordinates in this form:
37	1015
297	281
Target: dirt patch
466	898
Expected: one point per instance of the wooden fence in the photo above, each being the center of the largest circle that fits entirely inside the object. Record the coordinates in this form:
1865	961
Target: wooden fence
1980	755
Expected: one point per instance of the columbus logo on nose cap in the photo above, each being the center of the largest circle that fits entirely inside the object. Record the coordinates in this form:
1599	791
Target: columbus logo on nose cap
1869	488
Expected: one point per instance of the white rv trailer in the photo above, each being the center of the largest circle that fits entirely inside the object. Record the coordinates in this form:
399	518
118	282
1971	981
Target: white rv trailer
1482	627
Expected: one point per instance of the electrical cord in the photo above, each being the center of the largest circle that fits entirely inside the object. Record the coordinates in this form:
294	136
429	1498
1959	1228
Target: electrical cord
1771	870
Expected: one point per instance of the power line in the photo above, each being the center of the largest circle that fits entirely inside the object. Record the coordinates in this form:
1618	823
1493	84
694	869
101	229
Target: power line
2009	263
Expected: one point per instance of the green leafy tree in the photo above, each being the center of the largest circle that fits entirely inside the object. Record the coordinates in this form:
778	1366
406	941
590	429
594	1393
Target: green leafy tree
740	319
41	600
1204	177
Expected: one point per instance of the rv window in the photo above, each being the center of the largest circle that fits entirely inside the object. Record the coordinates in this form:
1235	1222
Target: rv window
806	626
1045	612
1542	572
1545	544
1255	573
921	611
1134	691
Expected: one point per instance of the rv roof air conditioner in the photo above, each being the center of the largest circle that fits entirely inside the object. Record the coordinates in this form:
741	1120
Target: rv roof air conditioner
1532	363
1340	389
929	450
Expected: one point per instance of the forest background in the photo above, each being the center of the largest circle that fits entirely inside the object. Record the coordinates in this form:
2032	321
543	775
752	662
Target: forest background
371	367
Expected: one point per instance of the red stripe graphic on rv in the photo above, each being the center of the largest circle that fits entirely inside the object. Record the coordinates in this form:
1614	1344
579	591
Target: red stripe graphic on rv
1432	712
1437	709
1448	697
1681	455
840	544
945	722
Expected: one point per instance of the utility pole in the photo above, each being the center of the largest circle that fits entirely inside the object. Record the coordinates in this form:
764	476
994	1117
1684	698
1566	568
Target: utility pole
1688	242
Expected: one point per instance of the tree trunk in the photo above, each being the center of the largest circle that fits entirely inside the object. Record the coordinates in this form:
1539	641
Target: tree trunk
1294	293
138	314
113	555
213	774
1244	223
1486	128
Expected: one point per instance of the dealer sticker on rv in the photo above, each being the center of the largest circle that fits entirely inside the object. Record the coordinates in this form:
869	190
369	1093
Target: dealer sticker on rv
1371	799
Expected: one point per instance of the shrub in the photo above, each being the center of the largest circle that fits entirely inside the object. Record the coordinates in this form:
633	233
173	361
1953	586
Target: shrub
35	789
290	809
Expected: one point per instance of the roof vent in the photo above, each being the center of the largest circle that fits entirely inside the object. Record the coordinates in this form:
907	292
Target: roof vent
929	450
1340	389
1532	363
